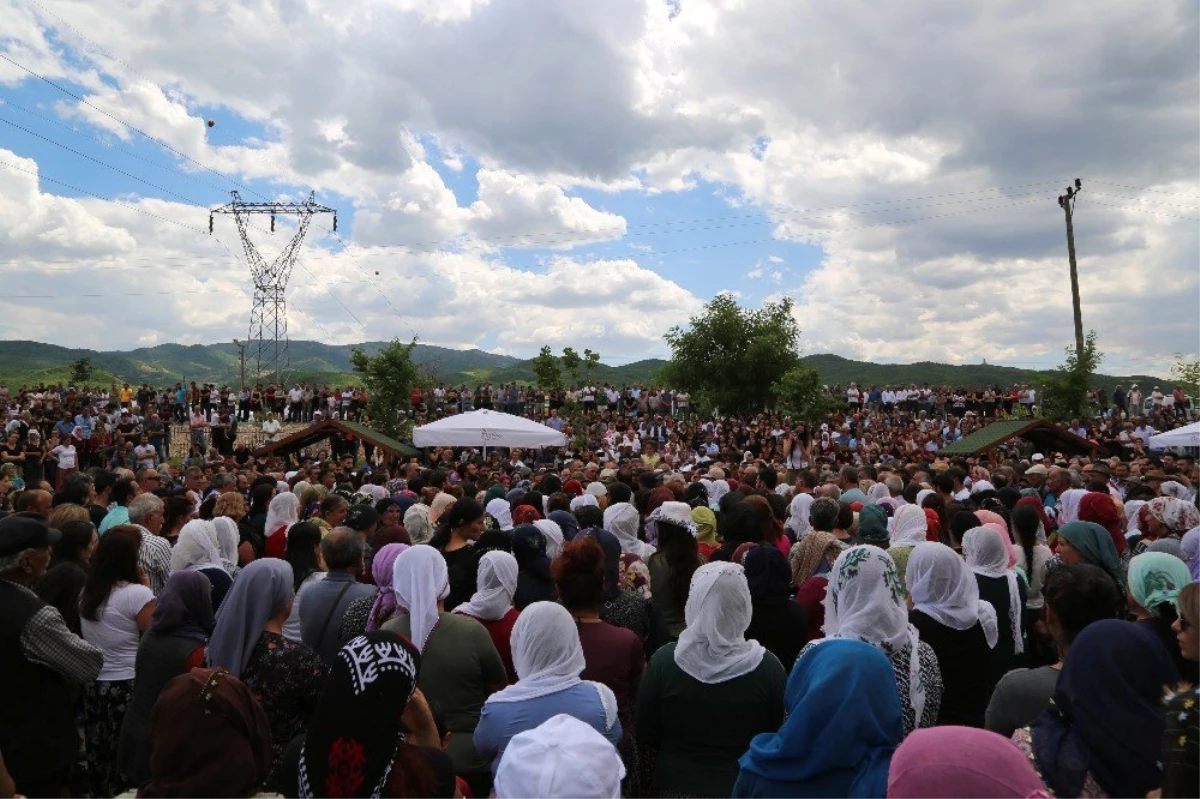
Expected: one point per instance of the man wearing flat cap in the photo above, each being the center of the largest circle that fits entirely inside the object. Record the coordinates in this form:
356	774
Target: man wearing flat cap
43	661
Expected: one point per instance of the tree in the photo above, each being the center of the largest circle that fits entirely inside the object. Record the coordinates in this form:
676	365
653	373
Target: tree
1186	371
81	371
801	394
572	362
1067	389
731	358
390	376
547	369
590	359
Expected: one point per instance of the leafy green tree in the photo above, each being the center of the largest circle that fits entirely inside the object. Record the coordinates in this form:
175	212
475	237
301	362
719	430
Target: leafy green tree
1066	391
590	360
571	362
730	358
1186	372
800	393
81	371
547	369
390	376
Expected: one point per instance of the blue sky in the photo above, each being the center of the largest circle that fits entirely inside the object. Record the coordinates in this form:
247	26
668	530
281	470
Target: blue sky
699	126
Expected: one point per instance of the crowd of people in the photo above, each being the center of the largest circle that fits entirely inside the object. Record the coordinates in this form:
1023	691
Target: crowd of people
671	605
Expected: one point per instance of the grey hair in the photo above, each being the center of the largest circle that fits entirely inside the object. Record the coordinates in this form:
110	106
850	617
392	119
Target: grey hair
894	484
342	548
143	506
10	562
223	479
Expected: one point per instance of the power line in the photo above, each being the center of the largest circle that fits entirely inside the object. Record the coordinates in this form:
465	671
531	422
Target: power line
1144	210
1145	188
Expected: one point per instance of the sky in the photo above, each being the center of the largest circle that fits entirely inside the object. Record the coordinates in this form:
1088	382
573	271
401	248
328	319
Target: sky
510	174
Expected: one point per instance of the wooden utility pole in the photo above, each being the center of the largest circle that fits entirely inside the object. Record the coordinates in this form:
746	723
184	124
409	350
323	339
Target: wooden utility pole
1067	203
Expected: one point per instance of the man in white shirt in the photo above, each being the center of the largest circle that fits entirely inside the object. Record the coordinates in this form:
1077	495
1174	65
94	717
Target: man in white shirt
852	396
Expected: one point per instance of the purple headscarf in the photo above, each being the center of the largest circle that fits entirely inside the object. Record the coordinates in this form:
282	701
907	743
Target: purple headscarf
184	607
381	569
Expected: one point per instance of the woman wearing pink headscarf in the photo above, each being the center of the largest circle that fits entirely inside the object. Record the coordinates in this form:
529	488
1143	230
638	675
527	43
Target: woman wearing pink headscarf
945	762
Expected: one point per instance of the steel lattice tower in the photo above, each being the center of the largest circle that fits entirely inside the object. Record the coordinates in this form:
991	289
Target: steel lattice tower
268	337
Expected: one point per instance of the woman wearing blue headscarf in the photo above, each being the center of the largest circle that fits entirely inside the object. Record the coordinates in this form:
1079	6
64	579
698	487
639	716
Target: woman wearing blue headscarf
1102	734
844	722
286	677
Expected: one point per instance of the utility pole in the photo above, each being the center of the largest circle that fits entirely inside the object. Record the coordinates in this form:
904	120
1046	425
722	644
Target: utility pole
1067	203
242	357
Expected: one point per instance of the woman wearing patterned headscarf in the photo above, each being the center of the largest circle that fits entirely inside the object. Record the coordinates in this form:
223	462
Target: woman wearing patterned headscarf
1164	517
811	561
865	602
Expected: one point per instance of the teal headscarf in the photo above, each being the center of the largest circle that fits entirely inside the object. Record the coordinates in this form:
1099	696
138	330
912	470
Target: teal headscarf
872	525
1096	545
844	722
1156	578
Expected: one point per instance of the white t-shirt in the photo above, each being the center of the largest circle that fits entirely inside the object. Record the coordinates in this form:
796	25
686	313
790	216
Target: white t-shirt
116	633
145	454
291	627
65	455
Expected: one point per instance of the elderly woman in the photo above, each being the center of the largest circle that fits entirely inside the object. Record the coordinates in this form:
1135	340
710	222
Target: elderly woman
198	549
1102	735
999	586
811	561
1164	517
844	721
957	624
286	677
865	602
908	528
460	667
548	658
622	520
1155	580
282	513
492	603
704	698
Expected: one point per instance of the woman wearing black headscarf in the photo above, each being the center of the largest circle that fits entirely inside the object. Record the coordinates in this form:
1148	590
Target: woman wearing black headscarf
776	622
174	643
355	743
534	581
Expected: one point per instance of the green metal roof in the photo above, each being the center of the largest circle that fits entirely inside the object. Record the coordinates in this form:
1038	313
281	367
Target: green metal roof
330	427
1045	435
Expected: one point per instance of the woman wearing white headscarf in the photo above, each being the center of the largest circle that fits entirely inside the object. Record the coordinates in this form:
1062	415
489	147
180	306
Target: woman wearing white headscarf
876	492
704	697
282	513
196	549
227	543
417	523
957	624
865	602
987	556
718	489
1068	505
285	676
460	666
907	529
622	520
548	658
583	501
492	603
553	534
500	510
797	520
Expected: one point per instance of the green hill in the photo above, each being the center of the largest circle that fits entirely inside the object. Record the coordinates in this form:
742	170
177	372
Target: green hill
29	363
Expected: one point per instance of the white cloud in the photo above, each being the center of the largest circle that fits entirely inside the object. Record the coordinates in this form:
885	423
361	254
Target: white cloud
830	118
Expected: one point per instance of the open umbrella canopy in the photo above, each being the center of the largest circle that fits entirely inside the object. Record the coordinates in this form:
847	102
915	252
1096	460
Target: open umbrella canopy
487	429
1186	436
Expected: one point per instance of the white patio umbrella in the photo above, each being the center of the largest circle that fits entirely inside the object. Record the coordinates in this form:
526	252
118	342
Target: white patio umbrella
487	429
1186	436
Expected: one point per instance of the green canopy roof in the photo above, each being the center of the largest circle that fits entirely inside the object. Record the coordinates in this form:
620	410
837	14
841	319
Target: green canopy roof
1046	436
329	428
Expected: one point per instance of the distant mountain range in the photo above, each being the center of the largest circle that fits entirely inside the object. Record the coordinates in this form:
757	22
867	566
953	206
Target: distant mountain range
30	363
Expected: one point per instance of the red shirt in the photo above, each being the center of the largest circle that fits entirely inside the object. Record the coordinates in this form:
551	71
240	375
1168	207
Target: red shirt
811	596
501	632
